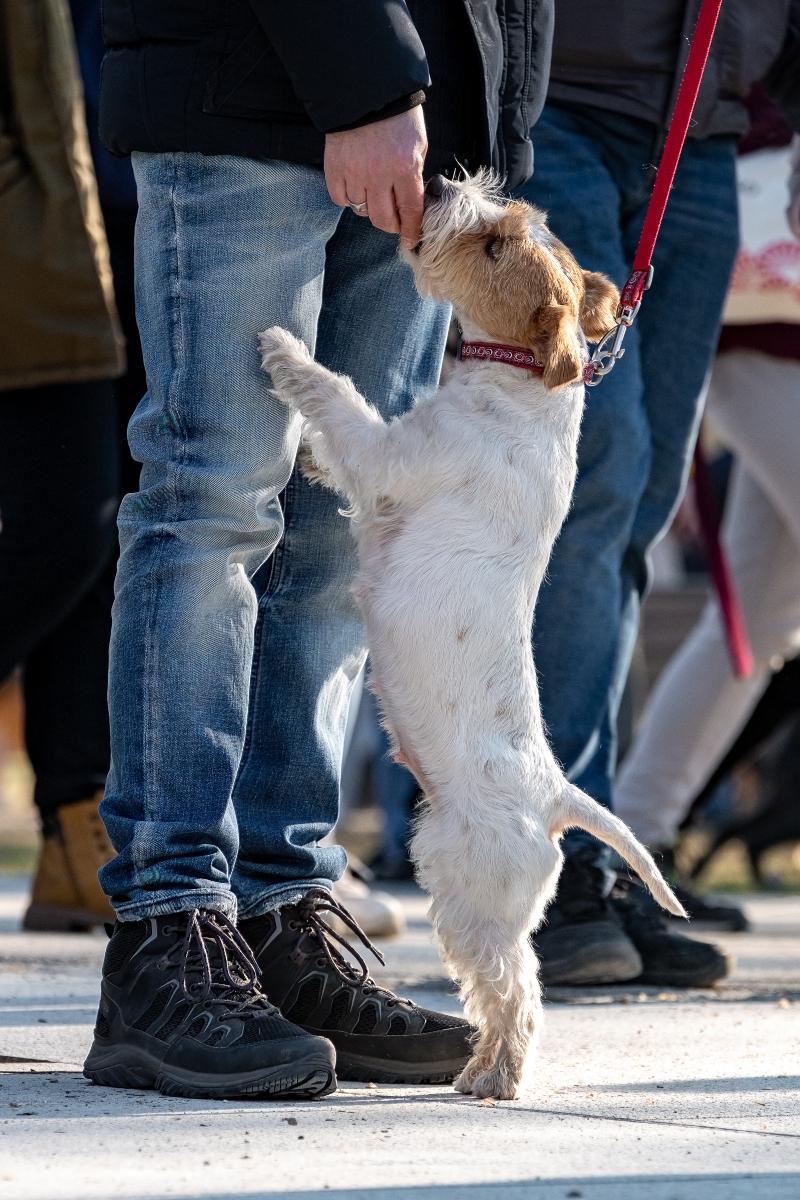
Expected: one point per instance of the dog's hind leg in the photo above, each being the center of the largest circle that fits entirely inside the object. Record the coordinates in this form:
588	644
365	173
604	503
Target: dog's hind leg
345	435
489	875
509	1015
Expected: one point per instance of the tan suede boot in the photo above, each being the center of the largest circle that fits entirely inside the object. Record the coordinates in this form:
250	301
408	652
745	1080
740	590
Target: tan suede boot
67	896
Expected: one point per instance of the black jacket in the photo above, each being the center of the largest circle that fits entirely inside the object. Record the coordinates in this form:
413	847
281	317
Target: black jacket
269	78
592	60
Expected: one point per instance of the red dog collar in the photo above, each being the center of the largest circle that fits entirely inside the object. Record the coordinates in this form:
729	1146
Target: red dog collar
511	356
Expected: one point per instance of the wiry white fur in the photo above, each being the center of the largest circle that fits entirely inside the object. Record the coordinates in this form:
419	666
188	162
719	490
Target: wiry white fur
455	508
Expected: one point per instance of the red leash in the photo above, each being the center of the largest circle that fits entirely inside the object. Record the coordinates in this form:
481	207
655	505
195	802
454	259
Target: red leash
639	280
641	275
732	616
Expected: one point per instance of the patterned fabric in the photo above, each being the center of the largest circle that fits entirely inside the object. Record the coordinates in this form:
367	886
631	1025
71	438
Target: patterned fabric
514	356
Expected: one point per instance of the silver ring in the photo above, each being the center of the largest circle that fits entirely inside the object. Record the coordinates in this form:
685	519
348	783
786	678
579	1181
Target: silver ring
359	209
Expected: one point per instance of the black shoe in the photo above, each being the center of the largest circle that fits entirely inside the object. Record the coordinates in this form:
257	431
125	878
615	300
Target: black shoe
668	959
181	1012
582	941
717	916
379	1038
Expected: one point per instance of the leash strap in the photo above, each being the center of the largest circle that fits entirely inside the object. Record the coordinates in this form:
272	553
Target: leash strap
732	615
609	350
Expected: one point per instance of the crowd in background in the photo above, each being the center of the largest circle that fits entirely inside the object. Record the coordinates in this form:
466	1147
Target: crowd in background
72	375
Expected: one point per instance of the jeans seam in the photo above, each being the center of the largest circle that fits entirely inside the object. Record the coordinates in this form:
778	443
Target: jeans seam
273	584
177	346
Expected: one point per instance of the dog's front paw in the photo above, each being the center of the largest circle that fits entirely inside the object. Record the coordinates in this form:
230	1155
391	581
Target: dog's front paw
282	355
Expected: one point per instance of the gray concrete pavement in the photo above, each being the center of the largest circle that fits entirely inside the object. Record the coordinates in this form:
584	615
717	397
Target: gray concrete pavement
641	1095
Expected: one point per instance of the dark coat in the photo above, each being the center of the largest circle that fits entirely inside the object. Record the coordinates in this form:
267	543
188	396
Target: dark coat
269	78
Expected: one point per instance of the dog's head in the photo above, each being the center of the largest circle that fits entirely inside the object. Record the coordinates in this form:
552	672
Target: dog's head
508	276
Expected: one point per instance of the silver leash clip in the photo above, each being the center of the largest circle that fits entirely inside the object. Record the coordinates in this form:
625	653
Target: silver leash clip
605	356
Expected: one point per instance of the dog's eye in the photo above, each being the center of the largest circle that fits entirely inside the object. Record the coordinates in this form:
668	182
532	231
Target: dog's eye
492	248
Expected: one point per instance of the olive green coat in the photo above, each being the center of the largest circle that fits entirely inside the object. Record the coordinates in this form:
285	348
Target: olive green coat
58	321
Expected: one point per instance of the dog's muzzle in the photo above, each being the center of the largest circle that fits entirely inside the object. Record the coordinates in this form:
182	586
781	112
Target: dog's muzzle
435	186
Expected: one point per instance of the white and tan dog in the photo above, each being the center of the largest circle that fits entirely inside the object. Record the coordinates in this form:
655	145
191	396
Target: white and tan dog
455	508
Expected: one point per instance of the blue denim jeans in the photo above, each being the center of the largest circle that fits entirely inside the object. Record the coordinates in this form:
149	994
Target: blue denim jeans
235	638
593	176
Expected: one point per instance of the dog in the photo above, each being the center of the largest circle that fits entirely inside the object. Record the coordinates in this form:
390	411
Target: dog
455	507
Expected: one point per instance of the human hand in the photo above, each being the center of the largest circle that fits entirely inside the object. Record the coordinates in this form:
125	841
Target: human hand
381	165
793	211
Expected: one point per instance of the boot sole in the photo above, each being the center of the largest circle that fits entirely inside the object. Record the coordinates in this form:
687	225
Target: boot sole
712	924
583	969
131	1067
49	918
357	1069
705	976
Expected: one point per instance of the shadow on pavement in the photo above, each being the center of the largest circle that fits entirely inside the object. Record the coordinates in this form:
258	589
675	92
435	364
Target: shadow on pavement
749	1186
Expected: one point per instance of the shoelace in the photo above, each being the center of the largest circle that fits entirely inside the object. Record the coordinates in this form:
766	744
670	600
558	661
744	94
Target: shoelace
310	910
219	979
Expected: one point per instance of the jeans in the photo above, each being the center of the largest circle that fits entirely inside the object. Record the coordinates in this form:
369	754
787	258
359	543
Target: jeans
593	177
235	636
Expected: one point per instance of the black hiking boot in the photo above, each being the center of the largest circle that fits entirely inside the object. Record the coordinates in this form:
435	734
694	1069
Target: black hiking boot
181	1011
379	1037
582	940
668	959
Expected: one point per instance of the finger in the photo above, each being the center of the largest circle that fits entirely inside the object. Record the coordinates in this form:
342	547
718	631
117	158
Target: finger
337	188
409	204
382	211
356	203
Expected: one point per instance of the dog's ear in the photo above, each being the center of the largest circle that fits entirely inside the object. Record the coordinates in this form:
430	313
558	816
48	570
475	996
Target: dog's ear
599	305
555	339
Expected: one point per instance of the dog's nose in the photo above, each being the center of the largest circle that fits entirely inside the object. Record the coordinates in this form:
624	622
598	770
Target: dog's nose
435	185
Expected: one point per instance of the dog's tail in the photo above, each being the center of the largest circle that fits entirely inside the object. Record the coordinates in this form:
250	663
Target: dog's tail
579	809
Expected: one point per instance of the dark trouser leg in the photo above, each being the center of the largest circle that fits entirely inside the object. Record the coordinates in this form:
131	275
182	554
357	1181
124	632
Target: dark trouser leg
58	498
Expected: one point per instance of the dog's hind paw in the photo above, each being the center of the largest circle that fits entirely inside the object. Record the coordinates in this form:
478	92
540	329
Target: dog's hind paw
494	1084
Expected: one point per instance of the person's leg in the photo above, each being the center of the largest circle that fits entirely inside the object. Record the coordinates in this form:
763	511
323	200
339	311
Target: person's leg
588	187
678	328
228	247
585	623
225	247
594	178
678	325
699	706
590	175
66	707
58	497
67	737
309	641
